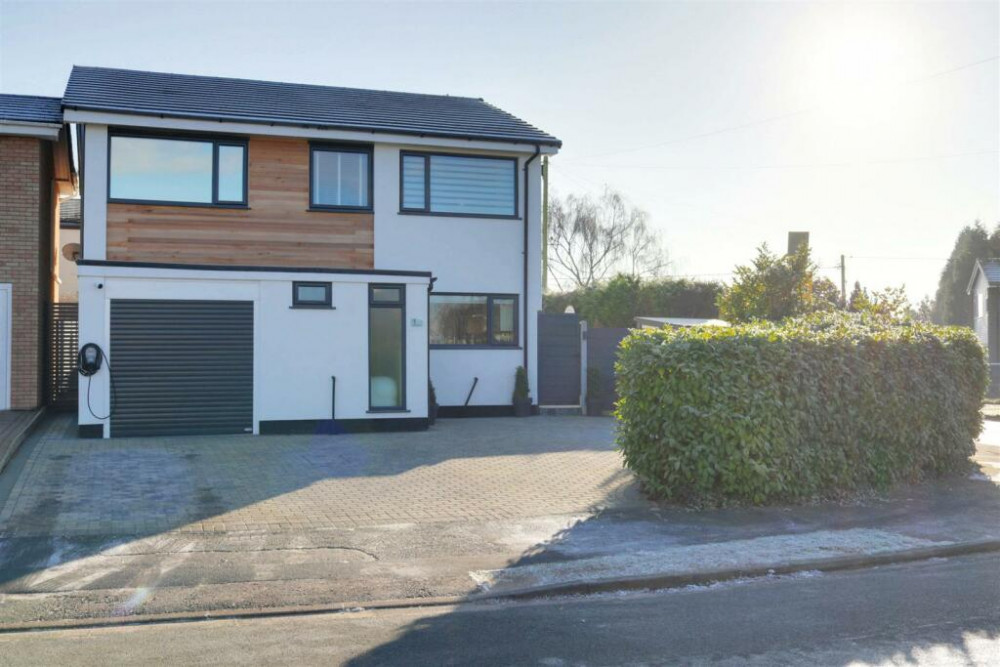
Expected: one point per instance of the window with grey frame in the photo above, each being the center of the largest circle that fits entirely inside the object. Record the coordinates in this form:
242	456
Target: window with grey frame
387	347
340	177
462	185
312	295
177	170
473	320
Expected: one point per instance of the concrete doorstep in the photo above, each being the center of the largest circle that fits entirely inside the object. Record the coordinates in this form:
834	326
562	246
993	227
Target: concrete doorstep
15	427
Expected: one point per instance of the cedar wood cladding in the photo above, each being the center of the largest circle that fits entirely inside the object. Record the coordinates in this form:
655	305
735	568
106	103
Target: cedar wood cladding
276	230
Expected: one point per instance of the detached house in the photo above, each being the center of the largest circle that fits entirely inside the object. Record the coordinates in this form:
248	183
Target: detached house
265	257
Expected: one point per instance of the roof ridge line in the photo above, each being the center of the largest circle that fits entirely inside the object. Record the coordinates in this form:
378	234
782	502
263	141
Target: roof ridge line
280	83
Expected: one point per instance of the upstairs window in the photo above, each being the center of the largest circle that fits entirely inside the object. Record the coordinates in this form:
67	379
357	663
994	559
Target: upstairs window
178	170
340	178
463	185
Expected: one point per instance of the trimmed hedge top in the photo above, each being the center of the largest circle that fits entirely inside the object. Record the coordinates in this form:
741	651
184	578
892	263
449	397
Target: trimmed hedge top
818	406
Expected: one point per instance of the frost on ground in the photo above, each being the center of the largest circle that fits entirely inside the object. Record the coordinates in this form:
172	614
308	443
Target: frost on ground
759	552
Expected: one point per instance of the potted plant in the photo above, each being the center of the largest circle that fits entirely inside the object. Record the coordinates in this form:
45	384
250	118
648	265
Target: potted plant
432	403
595	393
521	398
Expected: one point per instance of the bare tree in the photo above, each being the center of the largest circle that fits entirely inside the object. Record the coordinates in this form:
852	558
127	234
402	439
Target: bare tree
591	239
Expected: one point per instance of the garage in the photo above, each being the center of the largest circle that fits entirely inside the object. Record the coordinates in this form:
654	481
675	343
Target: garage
181	367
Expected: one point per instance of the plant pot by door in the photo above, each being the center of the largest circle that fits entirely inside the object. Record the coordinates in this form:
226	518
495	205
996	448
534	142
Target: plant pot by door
522	407
594	408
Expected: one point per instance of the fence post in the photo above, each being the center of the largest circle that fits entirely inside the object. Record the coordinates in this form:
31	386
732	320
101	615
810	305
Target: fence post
583	366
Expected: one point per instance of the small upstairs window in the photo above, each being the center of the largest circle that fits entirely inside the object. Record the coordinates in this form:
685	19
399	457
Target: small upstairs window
340	178
462	185
178	170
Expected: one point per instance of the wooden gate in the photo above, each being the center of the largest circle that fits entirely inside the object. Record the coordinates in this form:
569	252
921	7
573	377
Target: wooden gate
63	344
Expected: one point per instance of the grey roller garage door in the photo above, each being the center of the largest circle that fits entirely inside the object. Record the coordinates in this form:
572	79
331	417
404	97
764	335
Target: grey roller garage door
181	367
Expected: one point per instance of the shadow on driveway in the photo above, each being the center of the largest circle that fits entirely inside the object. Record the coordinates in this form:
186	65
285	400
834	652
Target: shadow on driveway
67	499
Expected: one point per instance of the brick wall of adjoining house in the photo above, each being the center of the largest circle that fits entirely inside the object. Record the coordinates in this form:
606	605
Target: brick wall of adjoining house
25	209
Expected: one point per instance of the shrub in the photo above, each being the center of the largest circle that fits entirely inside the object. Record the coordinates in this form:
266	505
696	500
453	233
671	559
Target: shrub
594	384
521	389
619	301
818	406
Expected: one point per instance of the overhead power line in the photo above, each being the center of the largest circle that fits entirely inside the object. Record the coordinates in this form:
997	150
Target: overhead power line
815	165
905	259
782	116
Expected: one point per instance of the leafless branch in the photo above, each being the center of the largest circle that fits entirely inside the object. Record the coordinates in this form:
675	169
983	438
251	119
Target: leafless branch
591	239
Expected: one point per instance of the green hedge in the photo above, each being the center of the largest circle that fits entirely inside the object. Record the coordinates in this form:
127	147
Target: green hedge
815	407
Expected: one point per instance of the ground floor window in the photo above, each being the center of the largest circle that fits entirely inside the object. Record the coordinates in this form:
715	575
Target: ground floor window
387	347
473	320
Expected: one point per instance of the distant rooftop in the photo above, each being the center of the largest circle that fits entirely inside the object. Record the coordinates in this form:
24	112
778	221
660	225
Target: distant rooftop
657	322
990	269
244	100
69	212
30	109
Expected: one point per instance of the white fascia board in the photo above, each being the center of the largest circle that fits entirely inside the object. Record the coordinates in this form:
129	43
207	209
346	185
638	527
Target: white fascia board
108	271
302	132
25	129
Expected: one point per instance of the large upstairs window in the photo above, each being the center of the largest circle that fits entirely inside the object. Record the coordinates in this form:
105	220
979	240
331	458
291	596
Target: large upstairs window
463	185
178	170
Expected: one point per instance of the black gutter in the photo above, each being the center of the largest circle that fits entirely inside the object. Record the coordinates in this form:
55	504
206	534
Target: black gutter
538	150
269	269
287	122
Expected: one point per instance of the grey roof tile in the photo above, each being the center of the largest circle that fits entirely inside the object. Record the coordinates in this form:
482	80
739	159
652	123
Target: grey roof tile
30	109
182	95
991	267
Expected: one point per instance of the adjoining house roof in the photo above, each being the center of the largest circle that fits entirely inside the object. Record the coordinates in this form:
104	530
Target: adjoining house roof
657	322
990	269
30	109
245	100
69	212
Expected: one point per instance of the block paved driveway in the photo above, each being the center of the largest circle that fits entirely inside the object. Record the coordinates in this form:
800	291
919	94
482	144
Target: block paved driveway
471	469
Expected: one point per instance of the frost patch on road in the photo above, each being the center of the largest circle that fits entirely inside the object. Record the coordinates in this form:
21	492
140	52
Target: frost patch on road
770	551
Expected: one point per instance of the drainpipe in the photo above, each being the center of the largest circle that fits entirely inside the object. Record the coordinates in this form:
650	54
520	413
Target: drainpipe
538	150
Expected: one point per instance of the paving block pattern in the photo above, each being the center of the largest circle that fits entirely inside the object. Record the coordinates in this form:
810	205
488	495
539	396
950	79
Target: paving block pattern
471	469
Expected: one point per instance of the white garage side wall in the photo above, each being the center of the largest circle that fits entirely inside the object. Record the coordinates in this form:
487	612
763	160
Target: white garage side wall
469	255
93	328
302	349
296	350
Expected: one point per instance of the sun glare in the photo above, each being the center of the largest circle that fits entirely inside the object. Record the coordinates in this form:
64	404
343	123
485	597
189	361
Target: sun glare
857	67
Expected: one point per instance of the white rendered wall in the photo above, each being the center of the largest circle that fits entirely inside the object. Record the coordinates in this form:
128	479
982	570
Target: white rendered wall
95	192
466	255
296	351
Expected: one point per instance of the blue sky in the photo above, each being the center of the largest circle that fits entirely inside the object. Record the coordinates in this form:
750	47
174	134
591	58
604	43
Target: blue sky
876	127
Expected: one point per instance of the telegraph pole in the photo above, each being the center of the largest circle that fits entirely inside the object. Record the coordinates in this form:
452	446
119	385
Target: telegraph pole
843	282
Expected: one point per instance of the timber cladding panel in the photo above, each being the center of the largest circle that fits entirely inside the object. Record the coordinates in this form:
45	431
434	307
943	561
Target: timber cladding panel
276	230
